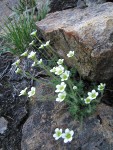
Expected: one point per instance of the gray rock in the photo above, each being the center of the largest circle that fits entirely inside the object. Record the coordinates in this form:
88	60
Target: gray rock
57	5
62	4
5	9
89	32
12	107
46	115
3	125
89	3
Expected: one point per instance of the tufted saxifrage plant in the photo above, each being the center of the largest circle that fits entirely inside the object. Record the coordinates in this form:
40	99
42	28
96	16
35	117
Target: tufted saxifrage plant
68	89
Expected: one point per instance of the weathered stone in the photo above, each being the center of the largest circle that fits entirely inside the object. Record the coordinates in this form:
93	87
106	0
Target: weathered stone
89	32
62	4
3	125
45	115
12	107
5	9
57	5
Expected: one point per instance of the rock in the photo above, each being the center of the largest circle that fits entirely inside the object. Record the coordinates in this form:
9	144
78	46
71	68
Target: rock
57	5
12	107
6	7
62	4
3	125
46	115
89	32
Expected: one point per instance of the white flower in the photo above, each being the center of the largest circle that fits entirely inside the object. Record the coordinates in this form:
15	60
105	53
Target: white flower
34	64
23	92
37	63
47	43
60	61
59	70
65	75
93	94
87	100
32	55
68	135
40	61
16	63
74	87
33	33
70	54
25	53
32	92
61	97
101	87
61	87
82	99
42	46
18	71
53	69
32	43
57	134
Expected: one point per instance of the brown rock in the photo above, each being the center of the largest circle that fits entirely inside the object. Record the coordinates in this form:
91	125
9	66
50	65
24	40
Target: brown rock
89	32
45	116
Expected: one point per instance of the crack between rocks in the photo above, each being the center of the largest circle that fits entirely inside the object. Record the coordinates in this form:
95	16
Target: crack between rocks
100	119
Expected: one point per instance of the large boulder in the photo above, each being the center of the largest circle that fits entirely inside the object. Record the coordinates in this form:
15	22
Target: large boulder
89	32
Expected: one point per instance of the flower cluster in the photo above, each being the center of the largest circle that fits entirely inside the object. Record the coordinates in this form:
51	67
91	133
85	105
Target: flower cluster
93	94
70	54
64	75
67	135
30	93
73	93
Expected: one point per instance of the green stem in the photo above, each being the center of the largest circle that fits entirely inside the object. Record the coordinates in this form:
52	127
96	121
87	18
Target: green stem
45	56
89	108
48	47
71	88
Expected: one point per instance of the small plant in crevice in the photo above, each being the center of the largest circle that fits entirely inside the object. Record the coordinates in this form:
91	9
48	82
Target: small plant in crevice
17	28
82	103
16	33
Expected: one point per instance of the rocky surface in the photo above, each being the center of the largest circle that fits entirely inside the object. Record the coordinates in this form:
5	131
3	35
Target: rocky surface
89	32
57	5
62	4
45	115
3	125
12	107
5	9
